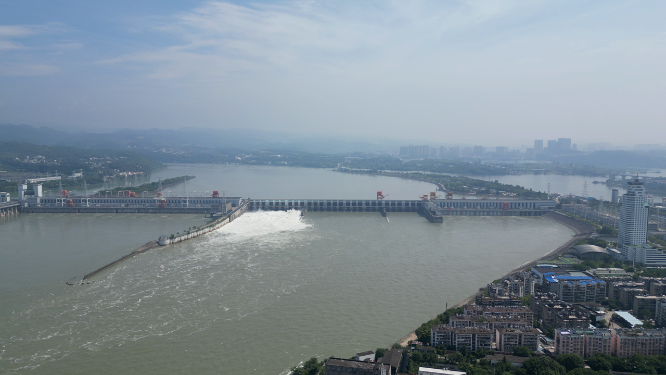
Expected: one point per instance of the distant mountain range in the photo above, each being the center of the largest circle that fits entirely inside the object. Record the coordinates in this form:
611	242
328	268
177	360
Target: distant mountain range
191	138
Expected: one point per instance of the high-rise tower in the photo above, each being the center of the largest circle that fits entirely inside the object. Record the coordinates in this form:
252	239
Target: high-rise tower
633	216
538	146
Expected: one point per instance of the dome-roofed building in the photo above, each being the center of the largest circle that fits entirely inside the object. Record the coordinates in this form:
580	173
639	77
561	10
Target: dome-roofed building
588	252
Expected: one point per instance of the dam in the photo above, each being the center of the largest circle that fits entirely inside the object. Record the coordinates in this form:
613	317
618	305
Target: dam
214	205
473	207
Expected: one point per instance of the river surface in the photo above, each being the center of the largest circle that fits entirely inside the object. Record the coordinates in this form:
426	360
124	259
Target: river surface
561	184
287	183
259	295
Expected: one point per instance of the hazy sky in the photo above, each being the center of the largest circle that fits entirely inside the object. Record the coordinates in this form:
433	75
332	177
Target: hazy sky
483	72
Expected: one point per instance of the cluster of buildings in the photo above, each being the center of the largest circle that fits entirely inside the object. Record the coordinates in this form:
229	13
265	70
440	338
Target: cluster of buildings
633	229
623	342
562	300
567	302
559	146
488	327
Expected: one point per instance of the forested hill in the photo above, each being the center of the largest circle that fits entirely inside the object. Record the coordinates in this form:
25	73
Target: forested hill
28	157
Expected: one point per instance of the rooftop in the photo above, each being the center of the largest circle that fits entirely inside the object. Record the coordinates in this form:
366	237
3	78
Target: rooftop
440	371
626	315
392	358
350	363
588	249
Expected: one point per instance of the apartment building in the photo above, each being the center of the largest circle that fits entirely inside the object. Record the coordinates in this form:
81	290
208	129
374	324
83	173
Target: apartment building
507	339
583	342
626	296
582	291
627	342
569	342
598	341
493	323
660	312
471	338
646	304
571	319
520	312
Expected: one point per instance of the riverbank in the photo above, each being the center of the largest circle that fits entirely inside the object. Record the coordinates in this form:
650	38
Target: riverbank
581	230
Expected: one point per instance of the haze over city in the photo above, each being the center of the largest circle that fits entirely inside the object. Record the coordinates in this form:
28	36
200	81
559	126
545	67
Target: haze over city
490	73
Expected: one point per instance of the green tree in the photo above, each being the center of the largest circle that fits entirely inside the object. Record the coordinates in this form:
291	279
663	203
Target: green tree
380	352
599	363
310	367
570	361
522	351
549	332
582	371
543	366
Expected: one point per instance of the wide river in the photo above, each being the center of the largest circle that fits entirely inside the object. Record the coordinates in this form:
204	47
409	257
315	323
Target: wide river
256	297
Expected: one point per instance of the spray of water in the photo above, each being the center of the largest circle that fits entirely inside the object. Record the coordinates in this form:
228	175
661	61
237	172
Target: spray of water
261	225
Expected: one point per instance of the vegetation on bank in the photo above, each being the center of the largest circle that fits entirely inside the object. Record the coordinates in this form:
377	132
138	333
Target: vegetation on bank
28	157
246	157
423	332
310	367
596	226
150	186
367	161
22	160
465	185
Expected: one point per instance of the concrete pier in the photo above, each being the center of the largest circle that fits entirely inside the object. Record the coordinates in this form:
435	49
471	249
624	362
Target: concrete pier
9	208
433	218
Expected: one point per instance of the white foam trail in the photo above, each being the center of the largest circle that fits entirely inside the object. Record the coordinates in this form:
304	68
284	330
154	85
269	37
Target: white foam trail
262	223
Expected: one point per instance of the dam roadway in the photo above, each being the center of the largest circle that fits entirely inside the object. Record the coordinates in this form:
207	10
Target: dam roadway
215	205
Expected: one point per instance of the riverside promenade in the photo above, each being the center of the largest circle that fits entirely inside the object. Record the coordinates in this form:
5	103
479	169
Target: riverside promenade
581	229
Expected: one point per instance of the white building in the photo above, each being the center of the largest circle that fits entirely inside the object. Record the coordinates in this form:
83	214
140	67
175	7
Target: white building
645	255
633	217
435	371
366	356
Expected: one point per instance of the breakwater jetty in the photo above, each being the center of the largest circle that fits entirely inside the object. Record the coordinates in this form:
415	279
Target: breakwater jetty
167	240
